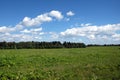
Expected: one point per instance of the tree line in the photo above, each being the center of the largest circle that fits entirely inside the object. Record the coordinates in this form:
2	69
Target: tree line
95	45
40	45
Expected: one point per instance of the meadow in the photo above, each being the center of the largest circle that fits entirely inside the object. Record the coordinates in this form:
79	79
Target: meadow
90	63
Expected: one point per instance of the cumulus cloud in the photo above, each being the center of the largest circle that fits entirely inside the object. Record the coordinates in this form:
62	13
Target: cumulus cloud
93	31
36	21
5	29
23	31
116	37
56	14
18	27
32	31
19	37
22	37
46	17
70	13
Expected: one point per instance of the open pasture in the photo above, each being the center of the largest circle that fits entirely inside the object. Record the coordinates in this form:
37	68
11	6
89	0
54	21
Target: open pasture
91	63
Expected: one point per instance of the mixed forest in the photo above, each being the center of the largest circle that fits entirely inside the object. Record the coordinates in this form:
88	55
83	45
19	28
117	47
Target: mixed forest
40	45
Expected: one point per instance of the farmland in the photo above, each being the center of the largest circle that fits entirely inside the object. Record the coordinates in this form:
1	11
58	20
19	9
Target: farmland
91	63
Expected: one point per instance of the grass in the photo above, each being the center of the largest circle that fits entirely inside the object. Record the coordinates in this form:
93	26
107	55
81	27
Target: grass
91	63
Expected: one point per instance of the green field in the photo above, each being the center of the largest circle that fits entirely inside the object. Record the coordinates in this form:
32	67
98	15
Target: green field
91	63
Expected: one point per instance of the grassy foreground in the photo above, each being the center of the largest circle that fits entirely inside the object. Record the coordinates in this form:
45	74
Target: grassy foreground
91	63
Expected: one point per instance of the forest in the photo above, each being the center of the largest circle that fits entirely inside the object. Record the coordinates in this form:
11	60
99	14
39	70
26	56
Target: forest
40	45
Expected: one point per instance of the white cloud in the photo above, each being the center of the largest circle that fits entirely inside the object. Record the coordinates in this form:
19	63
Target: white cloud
93	31
36	21
22	37
46	17
19	37
18	27
91	36
41	33
116	37
5	29
70	13
23	32
26	37
9	34
104	37
56	14
32	31
37	29
27	21
84	25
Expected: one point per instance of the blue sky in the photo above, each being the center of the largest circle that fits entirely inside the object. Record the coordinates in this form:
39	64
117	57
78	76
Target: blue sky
88	21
